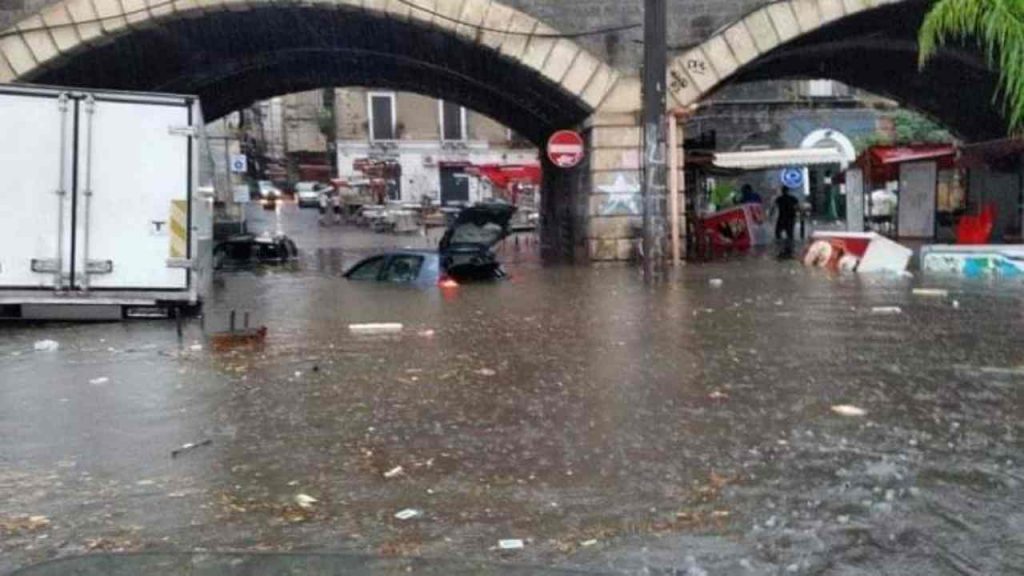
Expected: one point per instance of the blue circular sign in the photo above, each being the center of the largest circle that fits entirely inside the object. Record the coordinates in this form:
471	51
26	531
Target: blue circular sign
792	177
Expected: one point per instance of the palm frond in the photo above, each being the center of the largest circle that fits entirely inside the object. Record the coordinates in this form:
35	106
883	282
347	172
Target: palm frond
997	26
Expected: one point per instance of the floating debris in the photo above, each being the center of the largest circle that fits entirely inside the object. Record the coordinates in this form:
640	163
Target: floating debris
46	346
887	310
305	501
408	514
396	471
716	282
369	329
99	381
511	544
931	292
189	447
848	410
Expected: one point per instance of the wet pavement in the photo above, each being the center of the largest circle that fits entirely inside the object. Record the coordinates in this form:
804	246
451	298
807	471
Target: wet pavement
687	428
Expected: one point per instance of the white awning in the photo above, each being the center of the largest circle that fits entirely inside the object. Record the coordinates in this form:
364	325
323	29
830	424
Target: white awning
781	158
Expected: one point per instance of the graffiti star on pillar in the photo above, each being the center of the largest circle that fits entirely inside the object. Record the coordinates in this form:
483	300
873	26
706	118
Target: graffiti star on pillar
623	197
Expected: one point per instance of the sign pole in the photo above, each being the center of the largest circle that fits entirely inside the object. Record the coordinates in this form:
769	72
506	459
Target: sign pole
653	189
673	184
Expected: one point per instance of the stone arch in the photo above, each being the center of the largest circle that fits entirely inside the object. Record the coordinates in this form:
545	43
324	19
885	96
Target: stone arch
825	136
870	44
41	45
481	54
703	68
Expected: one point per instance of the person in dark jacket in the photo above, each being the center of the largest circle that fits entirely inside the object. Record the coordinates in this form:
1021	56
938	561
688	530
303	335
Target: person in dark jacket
785	208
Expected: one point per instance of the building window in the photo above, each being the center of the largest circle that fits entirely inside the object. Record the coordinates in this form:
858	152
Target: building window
453	121
382	115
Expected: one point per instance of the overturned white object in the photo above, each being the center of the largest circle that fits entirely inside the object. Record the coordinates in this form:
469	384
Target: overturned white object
879	253
380	328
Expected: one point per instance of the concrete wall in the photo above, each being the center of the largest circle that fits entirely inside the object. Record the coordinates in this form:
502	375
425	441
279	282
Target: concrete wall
302	112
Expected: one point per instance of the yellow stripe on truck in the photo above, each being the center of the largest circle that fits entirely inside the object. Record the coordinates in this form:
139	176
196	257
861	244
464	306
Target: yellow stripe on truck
179	228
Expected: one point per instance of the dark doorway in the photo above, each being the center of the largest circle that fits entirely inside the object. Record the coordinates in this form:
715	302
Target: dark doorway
454	184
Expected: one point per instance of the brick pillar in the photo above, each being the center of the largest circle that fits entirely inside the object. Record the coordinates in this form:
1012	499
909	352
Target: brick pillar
612	183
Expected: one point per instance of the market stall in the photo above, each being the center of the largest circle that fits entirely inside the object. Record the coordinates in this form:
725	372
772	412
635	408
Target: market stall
741	225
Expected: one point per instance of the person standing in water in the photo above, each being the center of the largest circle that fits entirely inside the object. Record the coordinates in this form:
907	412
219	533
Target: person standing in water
785	207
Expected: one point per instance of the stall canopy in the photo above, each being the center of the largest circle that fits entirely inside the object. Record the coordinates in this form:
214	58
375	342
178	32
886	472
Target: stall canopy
881	163
780	158
501	175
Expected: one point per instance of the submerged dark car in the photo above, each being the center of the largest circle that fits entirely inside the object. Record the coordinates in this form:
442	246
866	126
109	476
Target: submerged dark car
247	250
465	253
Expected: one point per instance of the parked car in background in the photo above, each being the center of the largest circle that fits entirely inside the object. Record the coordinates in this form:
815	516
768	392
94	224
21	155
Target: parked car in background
267	189
464	254
307	194
246	251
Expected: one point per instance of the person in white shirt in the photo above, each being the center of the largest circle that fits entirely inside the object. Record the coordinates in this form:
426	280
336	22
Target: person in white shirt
323	202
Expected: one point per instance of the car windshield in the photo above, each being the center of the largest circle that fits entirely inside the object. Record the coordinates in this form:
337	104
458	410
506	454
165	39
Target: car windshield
305	187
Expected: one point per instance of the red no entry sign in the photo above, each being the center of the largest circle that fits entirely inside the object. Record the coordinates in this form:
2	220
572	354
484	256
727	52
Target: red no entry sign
565	149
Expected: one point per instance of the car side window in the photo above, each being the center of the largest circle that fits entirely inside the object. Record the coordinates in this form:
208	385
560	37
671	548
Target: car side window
403	268
368	270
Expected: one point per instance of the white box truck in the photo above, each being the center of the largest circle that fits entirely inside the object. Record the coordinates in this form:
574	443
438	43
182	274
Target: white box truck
103	215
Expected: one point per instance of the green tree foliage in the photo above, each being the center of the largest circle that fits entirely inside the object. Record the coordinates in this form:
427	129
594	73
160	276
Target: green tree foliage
908	128
997	26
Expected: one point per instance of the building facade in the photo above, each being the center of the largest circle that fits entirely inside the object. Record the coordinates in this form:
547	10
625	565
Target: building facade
431	141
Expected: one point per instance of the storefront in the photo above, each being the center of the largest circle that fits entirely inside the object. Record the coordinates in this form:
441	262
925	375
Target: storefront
905	191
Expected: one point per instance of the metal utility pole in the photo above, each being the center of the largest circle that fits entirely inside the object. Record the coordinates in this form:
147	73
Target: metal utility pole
655	65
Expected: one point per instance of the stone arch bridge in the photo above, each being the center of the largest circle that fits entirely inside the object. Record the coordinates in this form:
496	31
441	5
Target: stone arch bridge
523	62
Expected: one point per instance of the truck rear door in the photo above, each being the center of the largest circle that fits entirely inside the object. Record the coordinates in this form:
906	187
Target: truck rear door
133	193
35	168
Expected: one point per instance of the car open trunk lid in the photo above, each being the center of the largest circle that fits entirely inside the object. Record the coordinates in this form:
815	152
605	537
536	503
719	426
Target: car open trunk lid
480	226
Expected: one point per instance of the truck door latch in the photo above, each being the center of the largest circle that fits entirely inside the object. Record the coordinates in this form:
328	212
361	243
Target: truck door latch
158	224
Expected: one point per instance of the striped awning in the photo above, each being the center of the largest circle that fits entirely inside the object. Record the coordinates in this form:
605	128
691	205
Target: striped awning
780	158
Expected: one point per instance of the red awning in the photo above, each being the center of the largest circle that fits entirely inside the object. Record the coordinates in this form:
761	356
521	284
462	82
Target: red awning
881	163
900	154
502	175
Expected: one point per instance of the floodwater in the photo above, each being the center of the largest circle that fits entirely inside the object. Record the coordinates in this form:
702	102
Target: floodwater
686	428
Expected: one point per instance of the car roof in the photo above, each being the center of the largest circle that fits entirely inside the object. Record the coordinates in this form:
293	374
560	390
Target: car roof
405	252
